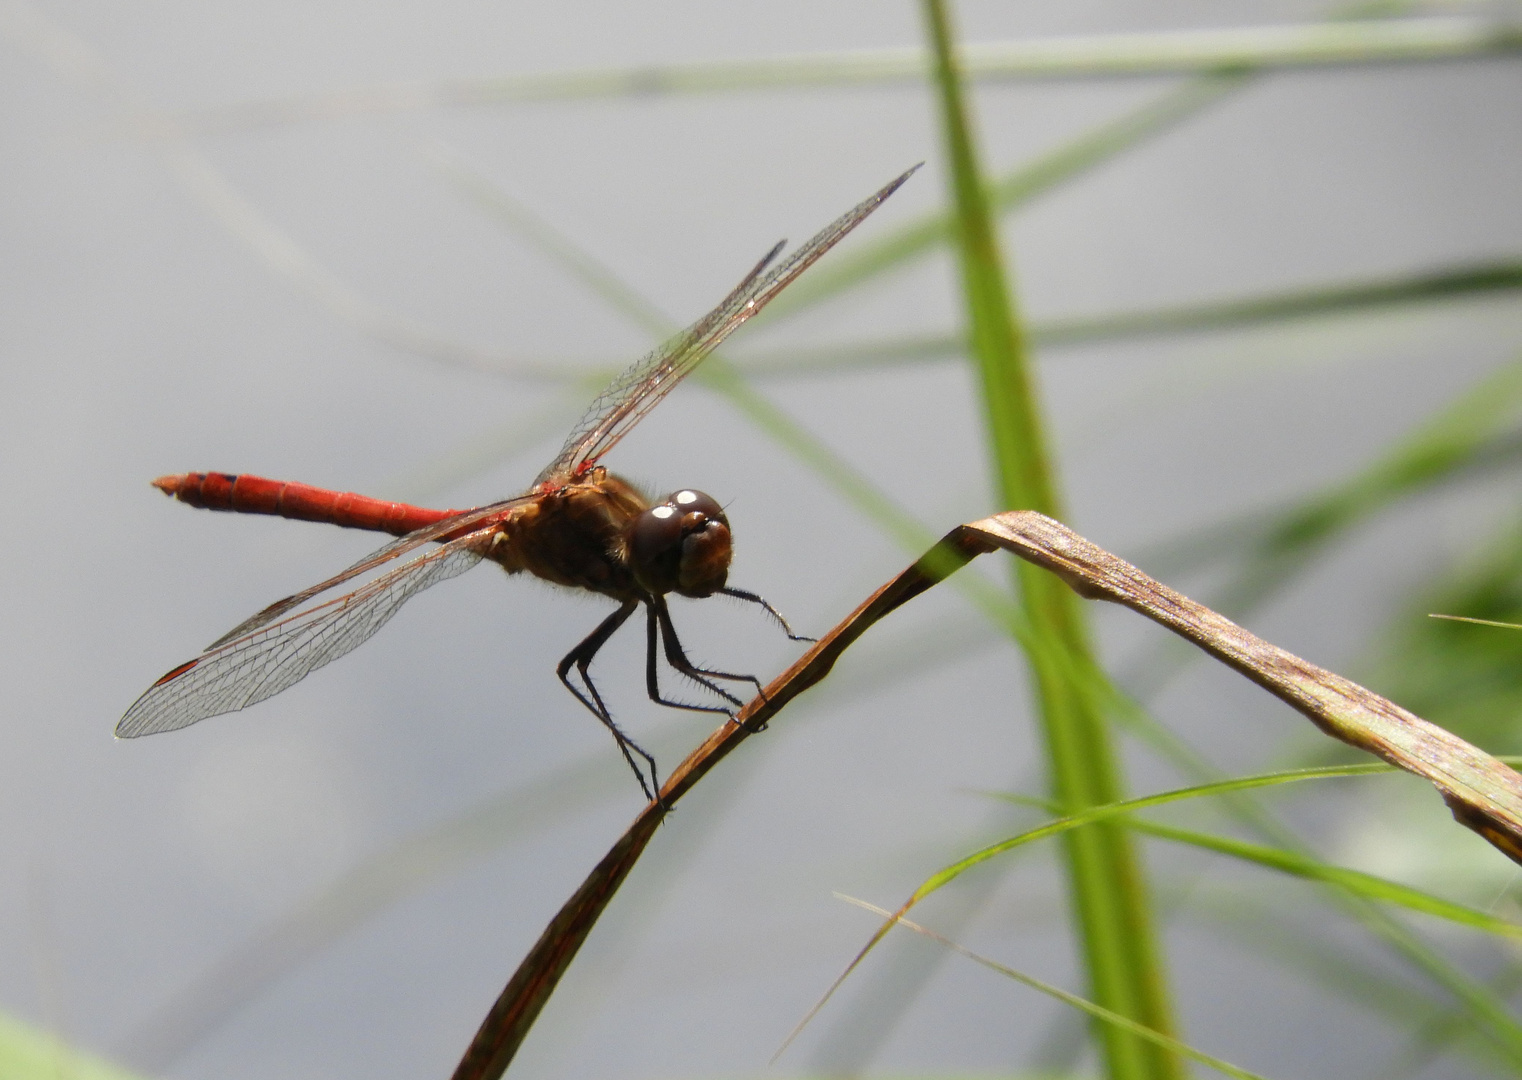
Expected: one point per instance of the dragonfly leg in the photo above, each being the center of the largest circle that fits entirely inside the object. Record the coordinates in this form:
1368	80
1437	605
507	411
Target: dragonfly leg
581	658
653	626
660	616
741	594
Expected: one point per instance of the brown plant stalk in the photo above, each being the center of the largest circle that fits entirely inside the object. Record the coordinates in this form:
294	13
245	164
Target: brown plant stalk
1483	794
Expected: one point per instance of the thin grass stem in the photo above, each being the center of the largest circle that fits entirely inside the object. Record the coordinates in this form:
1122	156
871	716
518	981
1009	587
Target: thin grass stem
1158	53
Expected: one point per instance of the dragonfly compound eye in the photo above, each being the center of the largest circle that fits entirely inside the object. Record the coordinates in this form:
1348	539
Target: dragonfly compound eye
682	545
689	501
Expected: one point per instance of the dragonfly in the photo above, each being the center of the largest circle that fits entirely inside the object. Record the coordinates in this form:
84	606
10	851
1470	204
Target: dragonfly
578	525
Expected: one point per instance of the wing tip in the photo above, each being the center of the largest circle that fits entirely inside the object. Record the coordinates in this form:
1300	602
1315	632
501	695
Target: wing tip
133	725
899	181
130	727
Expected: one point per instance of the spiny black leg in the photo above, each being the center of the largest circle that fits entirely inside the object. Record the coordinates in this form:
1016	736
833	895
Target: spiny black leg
673	646
652	680
678	659
581	657
741	594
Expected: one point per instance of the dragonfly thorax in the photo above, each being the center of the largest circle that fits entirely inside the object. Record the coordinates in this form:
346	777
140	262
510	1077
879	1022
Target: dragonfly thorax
576	535
601	533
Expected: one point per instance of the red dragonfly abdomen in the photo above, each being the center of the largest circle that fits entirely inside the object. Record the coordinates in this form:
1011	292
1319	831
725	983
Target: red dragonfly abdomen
244	494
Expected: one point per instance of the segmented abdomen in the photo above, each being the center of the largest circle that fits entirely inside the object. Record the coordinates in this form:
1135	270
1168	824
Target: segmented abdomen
244	494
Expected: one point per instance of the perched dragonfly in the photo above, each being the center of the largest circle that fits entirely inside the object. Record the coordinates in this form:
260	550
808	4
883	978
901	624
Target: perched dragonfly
578	525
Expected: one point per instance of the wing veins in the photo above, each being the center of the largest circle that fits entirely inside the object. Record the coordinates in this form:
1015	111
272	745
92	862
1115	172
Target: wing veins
260	664
392	550
639	388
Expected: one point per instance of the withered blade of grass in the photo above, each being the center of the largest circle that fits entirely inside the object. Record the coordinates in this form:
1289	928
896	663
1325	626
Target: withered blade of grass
1483	793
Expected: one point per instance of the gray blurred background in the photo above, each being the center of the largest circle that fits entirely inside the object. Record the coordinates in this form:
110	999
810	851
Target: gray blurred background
323	300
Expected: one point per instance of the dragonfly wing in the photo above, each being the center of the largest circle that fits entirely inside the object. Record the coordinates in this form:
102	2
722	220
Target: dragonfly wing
652	377
236	674
394	550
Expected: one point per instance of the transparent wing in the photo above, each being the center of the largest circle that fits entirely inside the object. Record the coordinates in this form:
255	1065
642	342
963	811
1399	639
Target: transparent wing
235	674
637	390
464	522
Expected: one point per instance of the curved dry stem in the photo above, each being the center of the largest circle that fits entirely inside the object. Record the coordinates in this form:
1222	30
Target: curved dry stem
530	988
1484	794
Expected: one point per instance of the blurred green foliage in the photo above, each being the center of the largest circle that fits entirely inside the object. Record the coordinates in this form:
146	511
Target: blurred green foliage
1463	676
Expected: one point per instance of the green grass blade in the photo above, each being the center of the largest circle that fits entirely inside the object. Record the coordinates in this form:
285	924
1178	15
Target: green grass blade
1450	440
1481	1003
1099	1012
934	230
1072	159
1096	814
1247	917
1463	668
1170	52
1479	622
856	486
1163	798
1444	284
1115	925
1355	881
1481	1009
1482	426
1439	1032
1455	283
29	1054
499	205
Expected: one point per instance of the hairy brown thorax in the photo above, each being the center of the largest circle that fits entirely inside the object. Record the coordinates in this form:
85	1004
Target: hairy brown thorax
604	534
576	536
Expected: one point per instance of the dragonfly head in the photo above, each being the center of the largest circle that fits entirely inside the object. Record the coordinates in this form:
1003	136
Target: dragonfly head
681	545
